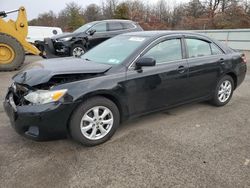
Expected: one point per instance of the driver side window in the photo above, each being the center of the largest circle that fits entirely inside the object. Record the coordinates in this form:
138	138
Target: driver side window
166	51
101	27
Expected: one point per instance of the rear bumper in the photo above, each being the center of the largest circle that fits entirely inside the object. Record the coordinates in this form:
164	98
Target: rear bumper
241	74
39	122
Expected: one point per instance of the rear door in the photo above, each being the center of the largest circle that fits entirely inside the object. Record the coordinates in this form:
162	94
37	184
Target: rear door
204	60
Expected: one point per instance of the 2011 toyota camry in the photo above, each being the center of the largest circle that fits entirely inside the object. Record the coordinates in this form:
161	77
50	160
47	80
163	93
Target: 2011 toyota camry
124	77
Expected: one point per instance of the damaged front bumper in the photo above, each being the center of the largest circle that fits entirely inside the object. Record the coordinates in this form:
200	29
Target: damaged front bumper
52	49
38	122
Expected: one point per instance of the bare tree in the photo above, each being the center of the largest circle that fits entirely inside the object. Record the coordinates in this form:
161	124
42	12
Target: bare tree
136	10
195	14
108	8
92	13
45	19
122	11
163	11
177	15
212	7
246	6
71	17
195	9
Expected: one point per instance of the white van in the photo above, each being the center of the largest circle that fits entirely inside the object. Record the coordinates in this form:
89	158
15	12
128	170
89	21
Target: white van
40	32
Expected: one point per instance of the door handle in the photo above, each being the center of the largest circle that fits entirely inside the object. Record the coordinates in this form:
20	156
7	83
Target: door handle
221	60
181	69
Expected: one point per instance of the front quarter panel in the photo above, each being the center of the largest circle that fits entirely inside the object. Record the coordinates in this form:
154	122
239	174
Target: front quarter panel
107	85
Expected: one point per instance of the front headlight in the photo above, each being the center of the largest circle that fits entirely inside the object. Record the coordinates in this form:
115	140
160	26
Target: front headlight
45	96
65	39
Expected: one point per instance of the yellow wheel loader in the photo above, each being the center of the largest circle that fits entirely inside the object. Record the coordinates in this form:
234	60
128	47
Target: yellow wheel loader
13	44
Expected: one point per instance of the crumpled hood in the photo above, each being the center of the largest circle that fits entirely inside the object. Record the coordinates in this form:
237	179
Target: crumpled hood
42	71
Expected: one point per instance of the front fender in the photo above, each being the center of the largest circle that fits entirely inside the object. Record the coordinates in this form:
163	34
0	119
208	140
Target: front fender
110	86
78	40
115	98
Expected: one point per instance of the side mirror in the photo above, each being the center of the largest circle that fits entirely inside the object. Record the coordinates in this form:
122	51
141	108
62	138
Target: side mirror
91	32
144	62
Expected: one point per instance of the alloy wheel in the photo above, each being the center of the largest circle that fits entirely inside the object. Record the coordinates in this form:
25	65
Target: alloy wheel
96	122
225	91
78	51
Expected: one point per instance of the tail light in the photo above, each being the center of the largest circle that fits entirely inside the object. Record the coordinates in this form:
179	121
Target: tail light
244	59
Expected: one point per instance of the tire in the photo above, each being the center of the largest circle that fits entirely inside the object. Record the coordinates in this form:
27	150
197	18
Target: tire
76	47
11	44
217	99
82	128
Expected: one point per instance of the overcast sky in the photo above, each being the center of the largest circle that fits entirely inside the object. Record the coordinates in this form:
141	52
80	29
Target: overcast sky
35	7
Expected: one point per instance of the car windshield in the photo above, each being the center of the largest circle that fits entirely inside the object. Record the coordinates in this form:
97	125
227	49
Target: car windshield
115	50
83	28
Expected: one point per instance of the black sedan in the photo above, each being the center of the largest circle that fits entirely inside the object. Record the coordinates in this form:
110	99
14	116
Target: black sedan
85	37
124	77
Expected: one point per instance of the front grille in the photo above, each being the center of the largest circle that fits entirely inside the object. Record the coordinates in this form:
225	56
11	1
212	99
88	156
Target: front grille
19	91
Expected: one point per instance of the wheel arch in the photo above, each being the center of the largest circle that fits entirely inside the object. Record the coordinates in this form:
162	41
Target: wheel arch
234	77
107	95
81	41
104	94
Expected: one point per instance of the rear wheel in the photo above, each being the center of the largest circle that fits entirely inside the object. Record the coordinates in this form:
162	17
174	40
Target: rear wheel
94	121
224	91
12	54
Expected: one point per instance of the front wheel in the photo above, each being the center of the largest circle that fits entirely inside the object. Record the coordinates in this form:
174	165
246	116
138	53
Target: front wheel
77	50
224	91
94	121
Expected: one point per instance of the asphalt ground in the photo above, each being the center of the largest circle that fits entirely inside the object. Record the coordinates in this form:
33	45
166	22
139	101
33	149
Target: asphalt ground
196	145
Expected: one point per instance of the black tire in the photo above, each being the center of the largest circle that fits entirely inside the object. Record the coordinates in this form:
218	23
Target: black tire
215	100
74	46
75	121
19	53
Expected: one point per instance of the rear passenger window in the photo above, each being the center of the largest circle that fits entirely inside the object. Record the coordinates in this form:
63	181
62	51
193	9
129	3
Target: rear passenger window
198	48
169	50
128	25
113	26
215	49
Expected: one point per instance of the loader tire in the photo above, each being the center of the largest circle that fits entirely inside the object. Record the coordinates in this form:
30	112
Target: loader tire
12	54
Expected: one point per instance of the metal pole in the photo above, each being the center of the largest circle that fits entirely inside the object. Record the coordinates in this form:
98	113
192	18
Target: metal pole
11	11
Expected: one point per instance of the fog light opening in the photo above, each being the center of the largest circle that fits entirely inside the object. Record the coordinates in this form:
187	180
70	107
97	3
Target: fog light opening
33	131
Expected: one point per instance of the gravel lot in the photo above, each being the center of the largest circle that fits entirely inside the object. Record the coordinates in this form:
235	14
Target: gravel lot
196	145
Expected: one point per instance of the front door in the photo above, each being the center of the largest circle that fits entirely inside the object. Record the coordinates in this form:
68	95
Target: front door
161	85
100	35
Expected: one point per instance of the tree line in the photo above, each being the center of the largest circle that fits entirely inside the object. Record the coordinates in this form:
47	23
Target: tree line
195	14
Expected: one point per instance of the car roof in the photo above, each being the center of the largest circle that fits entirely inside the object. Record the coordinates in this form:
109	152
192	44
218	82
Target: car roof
112	20
115	20
160	33
153	35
